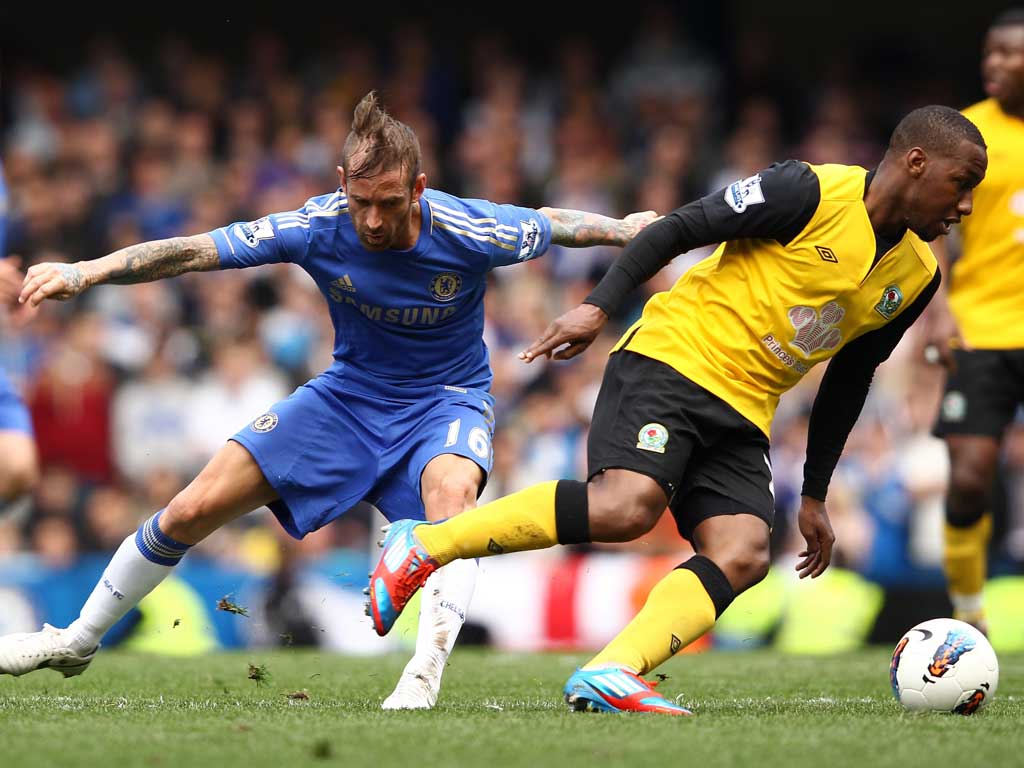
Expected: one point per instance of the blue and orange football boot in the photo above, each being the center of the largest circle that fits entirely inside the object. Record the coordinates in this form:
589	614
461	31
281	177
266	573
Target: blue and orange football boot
612	689
402	569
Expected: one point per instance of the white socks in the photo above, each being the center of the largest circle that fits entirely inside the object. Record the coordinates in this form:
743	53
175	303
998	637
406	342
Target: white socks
147	557
446	597
970	606
142	561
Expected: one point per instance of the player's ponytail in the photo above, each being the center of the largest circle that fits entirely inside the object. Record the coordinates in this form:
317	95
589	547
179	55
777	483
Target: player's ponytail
368	118
377	143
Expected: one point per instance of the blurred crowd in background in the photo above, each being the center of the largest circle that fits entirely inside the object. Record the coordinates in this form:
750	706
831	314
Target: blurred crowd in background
133	388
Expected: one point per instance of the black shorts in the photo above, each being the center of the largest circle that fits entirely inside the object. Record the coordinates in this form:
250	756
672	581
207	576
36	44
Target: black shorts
708	458
982	393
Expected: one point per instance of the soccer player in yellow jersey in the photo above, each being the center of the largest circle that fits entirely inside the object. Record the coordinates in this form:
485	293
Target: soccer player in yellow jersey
983	338
816	262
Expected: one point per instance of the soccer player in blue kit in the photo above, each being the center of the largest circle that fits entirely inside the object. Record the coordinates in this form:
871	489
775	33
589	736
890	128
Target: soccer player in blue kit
402	419
19	468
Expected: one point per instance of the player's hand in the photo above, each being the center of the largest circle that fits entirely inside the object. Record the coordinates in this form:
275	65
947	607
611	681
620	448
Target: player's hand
52	280
10	279
942	336
817	532
567	336
635	222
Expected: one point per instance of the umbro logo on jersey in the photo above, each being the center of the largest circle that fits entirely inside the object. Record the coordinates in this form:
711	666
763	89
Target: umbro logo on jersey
494	547
675	645
827	254
816	331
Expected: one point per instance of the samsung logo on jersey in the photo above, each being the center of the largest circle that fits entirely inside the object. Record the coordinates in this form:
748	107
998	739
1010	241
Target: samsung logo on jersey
398	315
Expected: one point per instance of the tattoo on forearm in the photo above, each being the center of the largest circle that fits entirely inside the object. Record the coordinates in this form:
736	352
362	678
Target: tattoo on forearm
159	259
73	277
578	229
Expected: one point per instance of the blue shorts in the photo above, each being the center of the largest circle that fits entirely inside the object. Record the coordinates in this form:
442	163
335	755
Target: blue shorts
13	413
324	450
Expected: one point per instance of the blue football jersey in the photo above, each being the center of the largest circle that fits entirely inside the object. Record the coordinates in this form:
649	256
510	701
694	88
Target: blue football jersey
408	319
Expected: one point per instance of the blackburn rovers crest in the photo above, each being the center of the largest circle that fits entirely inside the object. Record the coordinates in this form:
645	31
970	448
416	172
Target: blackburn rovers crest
954	406
445	286
652	437
891	299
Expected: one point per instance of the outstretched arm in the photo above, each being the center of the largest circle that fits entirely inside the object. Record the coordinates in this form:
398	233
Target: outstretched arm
776	203
140	263
579	229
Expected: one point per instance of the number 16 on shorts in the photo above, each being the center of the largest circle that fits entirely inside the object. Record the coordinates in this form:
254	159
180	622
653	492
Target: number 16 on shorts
478	439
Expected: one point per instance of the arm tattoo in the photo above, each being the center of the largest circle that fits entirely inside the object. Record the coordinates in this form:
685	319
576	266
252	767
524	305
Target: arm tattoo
73	277
158	259
579	229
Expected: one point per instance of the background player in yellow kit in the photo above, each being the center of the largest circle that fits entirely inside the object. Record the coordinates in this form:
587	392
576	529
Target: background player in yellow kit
981	331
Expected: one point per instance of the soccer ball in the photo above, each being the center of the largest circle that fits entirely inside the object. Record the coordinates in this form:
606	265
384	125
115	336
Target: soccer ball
944	665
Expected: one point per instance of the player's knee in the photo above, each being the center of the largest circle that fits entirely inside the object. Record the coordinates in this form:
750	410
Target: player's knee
619	515
968	479
964	509
186	518
638	519
744	563
969	495
752	568
449	496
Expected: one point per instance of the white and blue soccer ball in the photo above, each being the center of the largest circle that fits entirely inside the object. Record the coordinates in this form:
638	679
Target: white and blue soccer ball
944	665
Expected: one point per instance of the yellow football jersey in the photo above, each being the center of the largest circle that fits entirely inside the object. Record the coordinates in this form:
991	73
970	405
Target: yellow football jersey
988	278
750	320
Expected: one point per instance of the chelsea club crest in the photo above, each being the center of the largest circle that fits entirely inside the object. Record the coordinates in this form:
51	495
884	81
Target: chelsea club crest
445	286
265	423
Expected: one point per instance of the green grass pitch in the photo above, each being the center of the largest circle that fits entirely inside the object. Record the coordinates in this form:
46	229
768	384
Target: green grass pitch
753	709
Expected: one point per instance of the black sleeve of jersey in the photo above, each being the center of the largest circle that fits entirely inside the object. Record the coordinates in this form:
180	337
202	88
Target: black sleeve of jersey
843	390
775	204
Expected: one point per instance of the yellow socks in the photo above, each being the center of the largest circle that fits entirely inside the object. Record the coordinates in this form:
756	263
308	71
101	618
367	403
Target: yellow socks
965	561
681	607
520	521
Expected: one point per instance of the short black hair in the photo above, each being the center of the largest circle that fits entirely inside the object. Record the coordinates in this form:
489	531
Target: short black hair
1011	17
934	128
